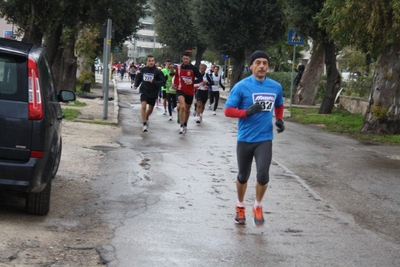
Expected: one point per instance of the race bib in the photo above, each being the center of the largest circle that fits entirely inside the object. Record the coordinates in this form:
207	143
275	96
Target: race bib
186	79
203	87
147	77
266	100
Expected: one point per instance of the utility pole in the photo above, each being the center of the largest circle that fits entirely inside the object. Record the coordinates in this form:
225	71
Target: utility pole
106	60
291	83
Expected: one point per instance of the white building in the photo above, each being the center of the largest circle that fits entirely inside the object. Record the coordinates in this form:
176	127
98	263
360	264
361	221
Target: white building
6	30
146	40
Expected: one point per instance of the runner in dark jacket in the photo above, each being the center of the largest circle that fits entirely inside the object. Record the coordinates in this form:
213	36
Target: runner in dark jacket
150	79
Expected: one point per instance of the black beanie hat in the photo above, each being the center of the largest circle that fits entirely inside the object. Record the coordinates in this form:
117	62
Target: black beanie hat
258	54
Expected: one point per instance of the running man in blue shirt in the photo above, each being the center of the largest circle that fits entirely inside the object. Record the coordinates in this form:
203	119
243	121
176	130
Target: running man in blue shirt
253	101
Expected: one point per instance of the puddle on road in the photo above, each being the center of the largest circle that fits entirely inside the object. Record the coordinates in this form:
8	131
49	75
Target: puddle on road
148	149
57	224
394	157
104	148
384	162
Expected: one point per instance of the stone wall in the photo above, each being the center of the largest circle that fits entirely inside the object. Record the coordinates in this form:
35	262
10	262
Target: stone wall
354	105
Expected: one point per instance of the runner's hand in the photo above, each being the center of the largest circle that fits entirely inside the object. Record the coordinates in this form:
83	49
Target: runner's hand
253	109
280	125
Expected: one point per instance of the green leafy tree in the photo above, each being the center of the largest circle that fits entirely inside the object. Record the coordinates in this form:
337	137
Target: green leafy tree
281	54
176	28
237	28
301	15
43	22
374	27
56	24
351	60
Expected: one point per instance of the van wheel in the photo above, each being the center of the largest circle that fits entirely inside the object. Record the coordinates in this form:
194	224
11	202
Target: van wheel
56	161
39	203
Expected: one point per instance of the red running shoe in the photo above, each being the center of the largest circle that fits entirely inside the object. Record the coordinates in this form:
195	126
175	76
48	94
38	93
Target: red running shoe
240	215
258	216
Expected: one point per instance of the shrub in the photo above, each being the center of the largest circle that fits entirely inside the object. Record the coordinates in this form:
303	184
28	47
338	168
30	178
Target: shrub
86	76
284	78
358	88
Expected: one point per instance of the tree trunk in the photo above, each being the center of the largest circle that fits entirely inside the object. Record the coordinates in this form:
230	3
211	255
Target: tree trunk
53	42
58	68
70	64
199	54
237	70
333	79
70	74
33	33
309	83
82	65
383	112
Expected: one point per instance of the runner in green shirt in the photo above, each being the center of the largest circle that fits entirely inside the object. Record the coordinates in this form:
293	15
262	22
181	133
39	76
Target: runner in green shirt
171	93
165	71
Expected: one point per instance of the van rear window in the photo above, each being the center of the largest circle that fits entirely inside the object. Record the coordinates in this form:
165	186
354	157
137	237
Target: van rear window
13	78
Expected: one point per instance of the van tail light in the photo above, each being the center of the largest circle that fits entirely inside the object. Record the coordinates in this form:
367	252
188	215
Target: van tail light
35	110
36	154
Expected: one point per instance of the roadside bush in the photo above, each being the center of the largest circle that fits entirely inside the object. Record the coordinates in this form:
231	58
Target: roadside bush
358	88
284	78
86	76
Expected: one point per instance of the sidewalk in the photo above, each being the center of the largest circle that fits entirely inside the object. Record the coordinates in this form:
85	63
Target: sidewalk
93	111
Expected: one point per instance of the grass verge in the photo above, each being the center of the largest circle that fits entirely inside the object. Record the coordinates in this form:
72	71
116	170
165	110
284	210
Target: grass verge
343	122
70	114
76	103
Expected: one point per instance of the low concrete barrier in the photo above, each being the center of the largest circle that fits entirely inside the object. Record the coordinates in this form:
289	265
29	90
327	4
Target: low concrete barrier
354	105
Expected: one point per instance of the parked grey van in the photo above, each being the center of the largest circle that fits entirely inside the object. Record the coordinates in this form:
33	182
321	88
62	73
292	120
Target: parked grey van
30	123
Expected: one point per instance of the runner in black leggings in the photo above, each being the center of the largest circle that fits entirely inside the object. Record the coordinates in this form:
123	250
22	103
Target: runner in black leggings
253	100
262	153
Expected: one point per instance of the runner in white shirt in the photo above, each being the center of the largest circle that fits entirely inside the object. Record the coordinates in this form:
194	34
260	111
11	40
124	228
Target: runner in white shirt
214	95
202	93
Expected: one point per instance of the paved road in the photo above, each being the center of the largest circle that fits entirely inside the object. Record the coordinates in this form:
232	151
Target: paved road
332	201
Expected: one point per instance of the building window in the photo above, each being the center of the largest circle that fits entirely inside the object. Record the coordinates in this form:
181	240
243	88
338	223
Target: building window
147	27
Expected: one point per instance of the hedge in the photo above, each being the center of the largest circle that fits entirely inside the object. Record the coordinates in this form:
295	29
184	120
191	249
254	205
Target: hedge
359	88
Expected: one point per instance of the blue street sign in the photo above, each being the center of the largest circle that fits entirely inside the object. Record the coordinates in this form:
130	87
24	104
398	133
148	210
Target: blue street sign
295	38
225	56
8	34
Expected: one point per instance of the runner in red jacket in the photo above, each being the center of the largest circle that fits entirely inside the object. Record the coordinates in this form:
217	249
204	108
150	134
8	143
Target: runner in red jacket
185	78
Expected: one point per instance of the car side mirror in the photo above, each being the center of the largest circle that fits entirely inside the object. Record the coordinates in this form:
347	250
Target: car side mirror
66	96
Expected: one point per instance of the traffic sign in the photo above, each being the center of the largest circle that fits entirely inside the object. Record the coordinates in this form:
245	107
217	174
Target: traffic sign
116	49
295	38
225	57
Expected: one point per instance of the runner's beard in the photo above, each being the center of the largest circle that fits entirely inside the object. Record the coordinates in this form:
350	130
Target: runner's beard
261	75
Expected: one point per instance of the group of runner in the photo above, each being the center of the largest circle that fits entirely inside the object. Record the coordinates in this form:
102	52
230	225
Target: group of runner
253	101
181	86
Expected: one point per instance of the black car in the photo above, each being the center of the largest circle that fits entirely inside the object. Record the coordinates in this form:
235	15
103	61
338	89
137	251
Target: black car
30	123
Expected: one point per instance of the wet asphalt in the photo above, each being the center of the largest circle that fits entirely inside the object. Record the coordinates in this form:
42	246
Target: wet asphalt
170	199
